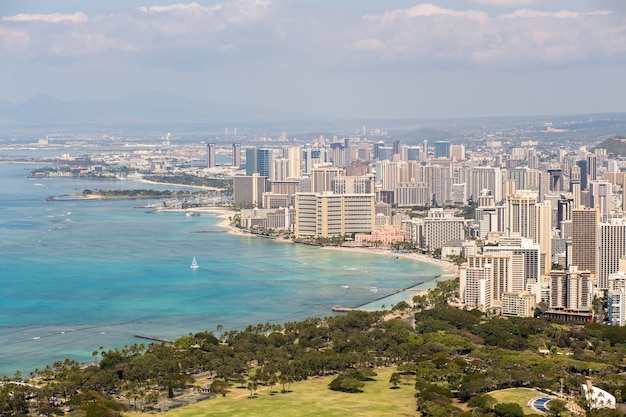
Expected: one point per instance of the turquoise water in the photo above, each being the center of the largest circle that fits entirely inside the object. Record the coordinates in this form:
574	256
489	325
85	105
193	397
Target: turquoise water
80	275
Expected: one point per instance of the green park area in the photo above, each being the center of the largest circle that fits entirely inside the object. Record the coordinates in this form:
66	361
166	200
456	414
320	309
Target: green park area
519	396
309	398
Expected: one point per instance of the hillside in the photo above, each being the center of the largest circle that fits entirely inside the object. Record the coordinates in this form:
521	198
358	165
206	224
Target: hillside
615	145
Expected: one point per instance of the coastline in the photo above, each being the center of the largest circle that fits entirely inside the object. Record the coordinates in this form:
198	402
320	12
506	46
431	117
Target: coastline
201	187
451	270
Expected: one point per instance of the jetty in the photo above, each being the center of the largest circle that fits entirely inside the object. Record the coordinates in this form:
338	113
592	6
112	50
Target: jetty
339	309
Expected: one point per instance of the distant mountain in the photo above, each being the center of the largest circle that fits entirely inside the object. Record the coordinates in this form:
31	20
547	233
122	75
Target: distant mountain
143	108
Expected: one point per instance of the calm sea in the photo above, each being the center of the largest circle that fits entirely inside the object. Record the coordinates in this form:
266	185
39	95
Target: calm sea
78	275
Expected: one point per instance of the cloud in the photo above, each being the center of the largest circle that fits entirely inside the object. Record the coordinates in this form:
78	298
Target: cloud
431	36
78	17
505	3
289	35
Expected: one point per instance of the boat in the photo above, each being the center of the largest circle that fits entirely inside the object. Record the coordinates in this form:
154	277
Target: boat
194	264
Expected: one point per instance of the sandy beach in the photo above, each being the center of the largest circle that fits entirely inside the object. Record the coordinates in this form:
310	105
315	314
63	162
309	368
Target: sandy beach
449	266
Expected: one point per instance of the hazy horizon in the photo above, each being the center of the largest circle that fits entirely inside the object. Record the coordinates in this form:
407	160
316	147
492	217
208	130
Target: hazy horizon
367	59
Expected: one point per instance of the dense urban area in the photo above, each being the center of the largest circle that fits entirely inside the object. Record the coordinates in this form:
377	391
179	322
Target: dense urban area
528	213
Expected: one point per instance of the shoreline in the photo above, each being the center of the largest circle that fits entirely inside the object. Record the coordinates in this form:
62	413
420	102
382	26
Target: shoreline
450	270
201	187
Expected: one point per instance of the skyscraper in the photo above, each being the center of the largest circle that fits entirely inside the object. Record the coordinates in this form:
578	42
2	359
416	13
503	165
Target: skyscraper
210	155
600	196
251	161
265	162
611	247
442	149
585	239
236	162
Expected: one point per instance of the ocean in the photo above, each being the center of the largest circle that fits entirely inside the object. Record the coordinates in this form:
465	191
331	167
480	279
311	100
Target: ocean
81	275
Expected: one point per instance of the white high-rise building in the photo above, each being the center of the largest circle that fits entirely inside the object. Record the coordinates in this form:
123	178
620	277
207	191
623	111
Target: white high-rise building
475	287
611	247
527	218
486	178
531	252
507	272
294	155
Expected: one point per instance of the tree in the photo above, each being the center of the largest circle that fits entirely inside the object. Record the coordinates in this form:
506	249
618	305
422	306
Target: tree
219	386
556	408
508	410
395	379
483	402
252	387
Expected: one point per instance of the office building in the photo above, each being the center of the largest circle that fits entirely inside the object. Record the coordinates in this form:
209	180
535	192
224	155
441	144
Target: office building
442	149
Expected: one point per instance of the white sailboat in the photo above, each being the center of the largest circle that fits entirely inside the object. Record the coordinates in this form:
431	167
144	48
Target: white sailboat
194	264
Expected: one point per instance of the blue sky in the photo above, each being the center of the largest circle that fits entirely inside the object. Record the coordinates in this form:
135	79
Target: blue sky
352	59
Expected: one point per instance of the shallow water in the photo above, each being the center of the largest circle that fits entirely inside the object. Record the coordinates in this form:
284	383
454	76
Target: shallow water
83	274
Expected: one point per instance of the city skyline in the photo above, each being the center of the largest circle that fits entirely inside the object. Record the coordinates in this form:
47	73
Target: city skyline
396	59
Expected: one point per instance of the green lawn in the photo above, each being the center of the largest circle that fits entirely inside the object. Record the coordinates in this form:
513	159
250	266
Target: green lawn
309	398
519	396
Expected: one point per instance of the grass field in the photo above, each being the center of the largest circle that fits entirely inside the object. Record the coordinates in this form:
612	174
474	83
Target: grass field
519	396
308	398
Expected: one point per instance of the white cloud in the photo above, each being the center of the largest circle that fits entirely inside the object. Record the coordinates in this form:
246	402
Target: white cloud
78	17
195	35
431	36
505	3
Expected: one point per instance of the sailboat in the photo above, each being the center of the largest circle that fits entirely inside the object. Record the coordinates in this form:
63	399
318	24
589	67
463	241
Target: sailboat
194	264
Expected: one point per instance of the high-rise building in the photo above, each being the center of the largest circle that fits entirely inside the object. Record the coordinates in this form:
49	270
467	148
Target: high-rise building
330	215
527	218
252	165
507	272
442	149
248	190
571	290
441	227
210	155
518	304
584	174
617	299
611	247
236	161
265	162
321	178
585	239
475	287
294	155
521	246
485	178
601	192
592	168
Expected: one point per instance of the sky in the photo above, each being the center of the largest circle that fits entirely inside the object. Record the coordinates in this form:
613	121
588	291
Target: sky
345	59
